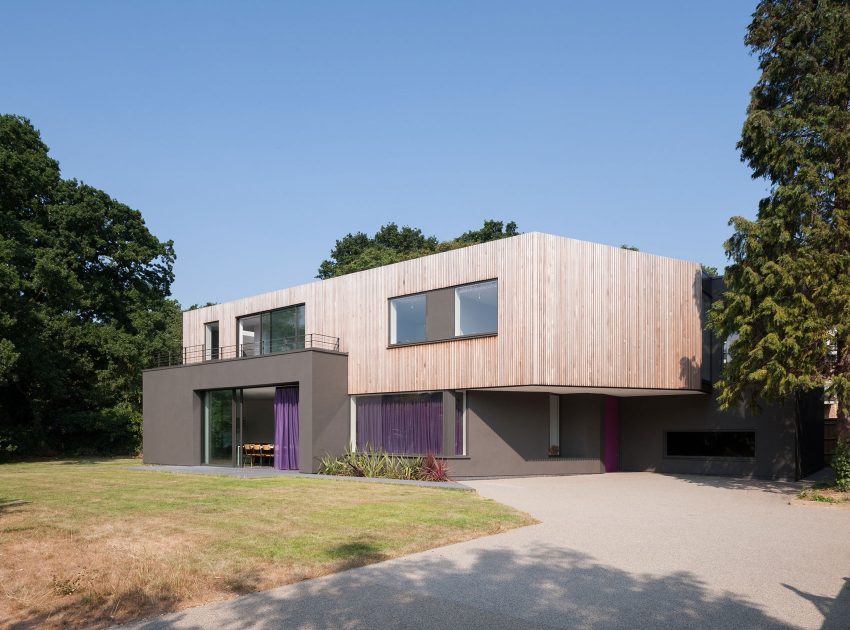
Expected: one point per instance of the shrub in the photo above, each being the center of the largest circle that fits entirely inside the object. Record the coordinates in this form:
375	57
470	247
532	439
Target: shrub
331	465
841	466
372	463
434	469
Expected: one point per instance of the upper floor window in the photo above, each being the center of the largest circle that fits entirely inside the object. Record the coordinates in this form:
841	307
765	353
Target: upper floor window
476	309
407	319
445	314
211	341
280	330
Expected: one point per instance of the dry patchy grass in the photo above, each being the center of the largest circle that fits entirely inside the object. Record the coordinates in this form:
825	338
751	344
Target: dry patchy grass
826	493
91	542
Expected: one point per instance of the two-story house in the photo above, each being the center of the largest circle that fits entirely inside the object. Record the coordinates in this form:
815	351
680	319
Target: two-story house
532	355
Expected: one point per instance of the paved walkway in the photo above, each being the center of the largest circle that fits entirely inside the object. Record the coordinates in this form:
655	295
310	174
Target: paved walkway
628	550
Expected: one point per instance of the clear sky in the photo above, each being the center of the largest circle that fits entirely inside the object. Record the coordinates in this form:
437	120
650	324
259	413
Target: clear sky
254	134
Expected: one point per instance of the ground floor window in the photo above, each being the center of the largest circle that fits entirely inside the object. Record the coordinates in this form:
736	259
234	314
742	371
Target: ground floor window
218	427
411	424
257	426
710	444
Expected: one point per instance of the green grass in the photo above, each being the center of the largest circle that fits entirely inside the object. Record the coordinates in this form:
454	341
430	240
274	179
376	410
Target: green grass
92	542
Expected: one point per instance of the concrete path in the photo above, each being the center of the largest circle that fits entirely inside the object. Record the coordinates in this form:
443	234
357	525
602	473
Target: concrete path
628	550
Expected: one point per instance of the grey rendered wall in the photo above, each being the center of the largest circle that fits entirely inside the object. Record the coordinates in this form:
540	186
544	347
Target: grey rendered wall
508	435
331	426
644	420
172	405
581	425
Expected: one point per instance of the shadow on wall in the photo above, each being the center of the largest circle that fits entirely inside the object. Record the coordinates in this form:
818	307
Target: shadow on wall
548	587
689	370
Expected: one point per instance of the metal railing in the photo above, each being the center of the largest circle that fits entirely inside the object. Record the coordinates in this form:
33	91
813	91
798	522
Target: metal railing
201	353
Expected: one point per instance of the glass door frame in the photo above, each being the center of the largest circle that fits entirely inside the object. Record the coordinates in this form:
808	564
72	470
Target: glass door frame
235	427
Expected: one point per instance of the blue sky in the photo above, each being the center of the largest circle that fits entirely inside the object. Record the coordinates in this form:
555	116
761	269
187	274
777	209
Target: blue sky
254	134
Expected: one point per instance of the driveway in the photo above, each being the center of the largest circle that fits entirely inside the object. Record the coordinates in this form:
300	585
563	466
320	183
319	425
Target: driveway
625	550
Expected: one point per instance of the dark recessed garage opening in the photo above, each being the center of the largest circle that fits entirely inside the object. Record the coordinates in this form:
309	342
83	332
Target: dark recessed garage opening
710	443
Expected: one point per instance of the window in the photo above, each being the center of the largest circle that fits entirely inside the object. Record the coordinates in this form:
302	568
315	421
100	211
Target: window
476	309
407	319
460	423
211	341
445	314
410	424
711	444
280	330
402	424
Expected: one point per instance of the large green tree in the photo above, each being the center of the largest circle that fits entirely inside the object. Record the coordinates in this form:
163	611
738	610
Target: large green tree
788	285
84	291
391	244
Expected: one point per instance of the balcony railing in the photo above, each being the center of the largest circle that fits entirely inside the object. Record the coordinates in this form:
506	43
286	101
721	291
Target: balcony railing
203	353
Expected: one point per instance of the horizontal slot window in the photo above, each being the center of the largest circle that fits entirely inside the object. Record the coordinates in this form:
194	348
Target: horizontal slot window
456	312
741	444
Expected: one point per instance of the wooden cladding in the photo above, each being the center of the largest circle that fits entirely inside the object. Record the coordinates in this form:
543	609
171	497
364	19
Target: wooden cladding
571	313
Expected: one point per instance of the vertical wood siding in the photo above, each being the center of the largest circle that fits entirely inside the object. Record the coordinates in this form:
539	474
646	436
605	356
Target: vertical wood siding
570	313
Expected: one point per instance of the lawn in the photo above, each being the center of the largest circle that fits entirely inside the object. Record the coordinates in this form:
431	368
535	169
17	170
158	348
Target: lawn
91	542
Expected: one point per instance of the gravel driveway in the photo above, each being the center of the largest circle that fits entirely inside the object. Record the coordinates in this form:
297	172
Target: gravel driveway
627	550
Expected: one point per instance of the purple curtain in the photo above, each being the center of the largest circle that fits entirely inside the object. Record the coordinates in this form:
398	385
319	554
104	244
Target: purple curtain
286	428
405	424
369	423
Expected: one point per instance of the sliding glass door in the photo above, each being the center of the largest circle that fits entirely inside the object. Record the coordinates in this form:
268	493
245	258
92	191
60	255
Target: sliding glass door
257	426
220	432
281	330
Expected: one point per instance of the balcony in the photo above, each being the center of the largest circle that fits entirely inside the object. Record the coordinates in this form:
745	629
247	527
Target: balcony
202	354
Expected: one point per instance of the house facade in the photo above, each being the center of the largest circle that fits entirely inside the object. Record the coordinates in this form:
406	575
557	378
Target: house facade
532	355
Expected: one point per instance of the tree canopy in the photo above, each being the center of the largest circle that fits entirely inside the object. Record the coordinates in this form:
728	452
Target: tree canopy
391	244
788	285
84	291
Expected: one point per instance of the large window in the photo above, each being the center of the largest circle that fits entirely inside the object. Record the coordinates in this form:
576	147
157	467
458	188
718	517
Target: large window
445	314
476	309
411	424
403	424
407	319
280	330
740	444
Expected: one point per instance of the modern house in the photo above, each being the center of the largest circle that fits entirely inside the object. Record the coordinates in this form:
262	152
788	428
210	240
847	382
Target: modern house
532	355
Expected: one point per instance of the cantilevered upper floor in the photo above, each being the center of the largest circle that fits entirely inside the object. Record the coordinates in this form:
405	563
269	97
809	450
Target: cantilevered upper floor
531	311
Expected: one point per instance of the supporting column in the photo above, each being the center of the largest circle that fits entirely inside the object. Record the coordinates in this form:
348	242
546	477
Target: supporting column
554	425
612	434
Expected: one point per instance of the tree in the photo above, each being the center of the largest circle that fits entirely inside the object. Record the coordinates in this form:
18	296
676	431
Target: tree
709	271
391	244
788	286
84	295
